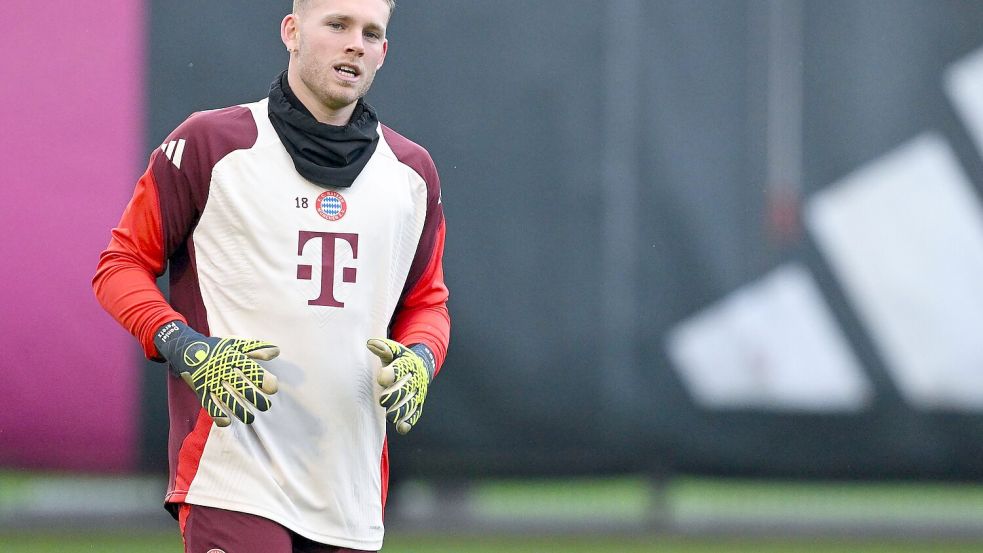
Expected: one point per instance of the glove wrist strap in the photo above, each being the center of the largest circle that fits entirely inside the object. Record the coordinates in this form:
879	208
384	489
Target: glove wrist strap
429	361
170	339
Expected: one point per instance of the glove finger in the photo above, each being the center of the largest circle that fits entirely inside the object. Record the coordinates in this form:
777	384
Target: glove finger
270	383
381	349
235	403
208	402
400	408
260	350
393	394
389	400
403	427
405	424
260	377
216	410
386	376
247	391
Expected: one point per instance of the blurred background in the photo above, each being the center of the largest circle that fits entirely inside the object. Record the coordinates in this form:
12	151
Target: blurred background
716	268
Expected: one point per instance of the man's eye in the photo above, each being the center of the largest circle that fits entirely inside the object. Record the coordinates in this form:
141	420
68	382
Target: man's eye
372	36
335	25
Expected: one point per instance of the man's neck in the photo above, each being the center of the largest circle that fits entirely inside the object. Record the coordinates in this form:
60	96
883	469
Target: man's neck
322	113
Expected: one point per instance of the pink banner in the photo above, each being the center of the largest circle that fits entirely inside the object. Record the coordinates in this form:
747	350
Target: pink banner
71	147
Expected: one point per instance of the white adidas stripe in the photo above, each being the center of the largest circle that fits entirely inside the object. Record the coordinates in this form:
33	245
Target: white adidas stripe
178	153
174	150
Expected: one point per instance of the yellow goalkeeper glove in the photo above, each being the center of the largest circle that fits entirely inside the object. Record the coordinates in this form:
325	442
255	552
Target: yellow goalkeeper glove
406	374
222	371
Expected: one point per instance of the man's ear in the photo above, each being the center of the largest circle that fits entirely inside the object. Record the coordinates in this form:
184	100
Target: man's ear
288	32
385	48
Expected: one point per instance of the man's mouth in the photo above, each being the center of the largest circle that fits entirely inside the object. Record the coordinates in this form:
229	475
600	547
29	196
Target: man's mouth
347	71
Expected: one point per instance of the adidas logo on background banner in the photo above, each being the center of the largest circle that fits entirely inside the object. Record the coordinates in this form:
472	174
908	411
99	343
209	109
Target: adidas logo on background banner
174	150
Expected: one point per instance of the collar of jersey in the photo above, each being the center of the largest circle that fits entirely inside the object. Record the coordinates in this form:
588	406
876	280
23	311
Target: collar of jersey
327	155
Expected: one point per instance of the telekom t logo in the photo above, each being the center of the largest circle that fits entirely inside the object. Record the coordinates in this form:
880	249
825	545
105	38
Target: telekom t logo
328	241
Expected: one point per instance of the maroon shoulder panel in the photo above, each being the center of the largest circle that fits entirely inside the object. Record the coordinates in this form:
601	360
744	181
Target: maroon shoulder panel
182	166
415	156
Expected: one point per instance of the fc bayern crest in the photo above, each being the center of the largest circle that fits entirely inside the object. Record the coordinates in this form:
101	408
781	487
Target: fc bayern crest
331	205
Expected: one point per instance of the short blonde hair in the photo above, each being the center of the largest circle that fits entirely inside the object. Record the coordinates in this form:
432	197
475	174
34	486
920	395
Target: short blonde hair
301	4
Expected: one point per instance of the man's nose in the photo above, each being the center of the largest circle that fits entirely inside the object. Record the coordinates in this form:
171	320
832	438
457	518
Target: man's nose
356	44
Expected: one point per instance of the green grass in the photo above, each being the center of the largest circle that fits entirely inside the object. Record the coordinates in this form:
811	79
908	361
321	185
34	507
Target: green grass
659	545
623	499
25	542
818	501
627	499
171	543
620	500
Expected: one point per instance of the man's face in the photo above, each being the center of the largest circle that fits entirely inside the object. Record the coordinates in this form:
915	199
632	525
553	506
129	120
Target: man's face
339	44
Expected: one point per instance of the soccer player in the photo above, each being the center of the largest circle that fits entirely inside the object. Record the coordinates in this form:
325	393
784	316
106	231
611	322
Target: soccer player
307	303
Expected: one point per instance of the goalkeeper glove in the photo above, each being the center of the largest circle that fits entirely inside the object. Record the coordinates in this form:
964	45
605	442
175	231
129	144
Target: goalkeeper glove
222	371
405	375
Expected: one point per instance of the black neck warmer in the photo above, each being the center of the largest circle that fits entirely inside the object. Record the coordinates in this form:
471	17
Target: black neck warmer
327	155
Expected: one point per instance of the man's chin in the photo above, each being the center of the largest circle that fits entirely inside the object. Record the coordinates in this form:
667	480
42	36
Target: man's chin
336	100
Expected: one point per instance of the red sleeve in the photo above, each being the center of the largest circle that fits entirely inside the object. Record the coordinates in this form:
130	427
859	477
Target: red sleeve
423	317
155	228
125	281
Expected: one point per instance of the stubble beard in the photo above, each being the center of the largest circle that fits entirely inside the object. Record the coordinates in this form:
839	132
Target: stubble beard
321	80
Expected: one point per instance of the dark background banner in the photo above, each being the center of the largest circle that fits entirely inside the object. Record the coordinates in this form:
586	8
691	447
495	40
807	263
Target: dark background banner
605	176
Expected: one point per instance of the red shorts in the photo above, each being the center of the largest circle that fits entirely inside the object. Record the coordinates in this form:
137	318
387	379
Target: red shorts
210	530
